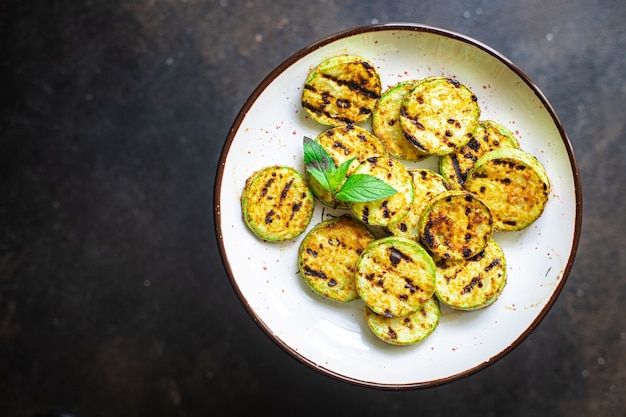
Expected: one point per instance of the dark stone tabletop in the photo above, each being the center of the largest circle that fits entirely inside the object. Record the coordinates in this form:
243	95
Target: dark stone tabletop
113	297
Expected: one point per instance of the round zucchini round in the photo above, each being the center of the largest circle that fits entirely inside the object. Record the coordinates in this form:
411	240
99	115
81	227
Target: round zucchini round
488	136
427	184
474	283
513	184
395	276
439	115
328	255
456	225
277	203
386	123
341	90
407	330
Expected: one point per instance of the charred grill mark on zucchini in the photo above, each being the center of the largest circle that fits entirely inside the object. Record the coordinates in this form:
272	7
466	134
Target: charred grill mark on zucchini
385	209
285	190
267	186
476	281
415	141
492	265
295	208
454	82
355	86
413	121
411	286
313	273
395	256
322	113
342	147
365	215
475	146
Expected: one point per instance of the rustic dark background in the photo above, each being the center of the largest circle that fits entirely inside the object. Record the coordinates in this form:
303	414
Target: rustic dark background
113	298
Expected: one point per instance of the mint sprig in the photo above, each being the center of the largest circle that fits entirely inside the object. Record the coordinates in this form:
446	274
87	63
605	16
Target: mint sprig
354	188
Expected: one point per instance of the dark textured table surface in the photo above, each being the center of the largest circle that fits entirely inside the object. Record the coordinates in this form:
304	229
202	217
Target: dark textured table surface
113	298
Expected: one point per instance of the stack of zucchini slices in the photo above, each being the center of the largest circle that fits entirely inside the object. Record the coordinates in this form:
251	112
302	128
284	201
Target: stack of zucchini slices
431	242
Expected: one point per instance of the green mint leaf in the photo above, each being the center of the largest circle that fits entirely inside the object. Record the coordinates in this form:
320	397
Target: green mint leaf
338	175
315	156
360	188
355	188
323	178
320	165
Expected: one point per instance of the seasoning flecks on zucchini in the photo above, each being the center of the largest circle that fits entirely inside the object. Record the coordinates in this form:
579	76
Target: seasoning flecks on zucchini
388	210
386	123
328	255
439	115
488	136
341	90
513	184
343	143
427	184
456	225
408	330
474	283
277	203
395	276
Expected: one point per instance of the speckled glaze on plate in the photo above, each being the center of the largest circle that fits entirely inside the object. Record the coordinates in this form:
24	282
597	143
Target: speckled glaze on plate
333	338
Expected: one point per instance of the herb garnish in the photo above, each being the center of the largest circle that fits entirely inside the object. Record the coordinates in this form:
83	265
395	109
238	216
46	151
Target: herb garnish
356	188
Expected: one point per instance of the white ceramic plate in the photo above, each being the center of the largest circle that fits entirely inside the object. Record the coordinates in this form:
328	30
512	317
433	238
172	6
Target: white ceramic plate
332	337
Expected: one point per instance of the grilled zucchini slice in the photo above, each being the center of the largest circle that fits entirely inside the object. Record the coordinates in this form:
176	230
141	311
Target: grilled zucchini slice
341	90
276	203
407	330
474	283
513	184
439	115
395	276
427	184
386	211
342	143
386	123
328	255
456	225
488	136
